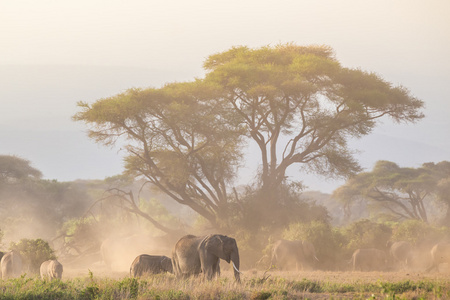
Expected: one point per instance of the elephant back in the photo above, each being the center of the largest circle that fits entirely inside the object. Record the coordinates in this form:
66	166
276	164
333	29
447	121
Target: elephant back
51	269
11	265
150	264
185	256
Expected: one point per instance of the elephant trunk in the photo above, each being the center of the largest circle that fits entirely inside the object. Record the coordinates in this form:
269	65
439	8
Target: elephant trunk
235	263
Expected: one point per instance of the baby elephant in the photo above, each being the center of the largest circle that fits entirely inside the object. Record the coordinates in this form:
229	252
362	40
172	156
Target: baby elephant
151	264
51	269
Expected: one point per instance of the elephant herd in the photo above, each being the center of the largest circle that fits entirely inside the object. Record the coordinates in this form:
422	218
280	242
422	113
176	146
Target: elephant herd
194	255
400	254
11	266
191	256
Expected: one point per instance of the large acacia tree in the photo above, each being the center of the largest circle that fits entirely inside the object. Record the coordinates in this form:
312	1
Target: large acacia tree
301	106
297	103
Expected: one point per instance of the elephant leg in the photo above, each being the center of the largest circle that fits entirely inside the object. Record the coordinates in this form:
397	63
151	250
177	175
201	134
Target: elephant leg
209	266
216	270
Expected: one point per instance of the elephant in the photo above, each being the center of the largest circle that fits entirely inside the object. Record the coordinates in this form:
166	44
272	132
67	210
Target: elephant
290	255
193	255
401	252
369	259
150	264
440	253
51	269
11	264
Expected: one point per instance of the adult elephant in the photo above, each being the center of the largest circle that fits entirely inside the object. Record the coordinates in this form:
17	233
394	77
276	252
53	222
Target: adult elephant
369	259
51	269
440	253
11	264
293	255
193	255
150	264
401	252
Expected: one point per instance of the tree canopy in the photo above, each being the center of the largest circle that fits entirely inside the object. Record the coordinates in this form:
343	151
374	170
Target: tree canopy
13	168
297	103
300	106
181	138
403	192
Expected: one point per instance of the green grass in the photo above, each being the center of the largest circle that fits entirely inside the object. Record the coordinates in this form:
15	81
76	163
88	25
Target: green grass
168	287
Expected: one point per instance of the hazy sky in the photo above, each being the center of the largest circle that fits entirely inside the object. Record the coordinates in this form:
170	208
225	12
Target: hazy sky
55	53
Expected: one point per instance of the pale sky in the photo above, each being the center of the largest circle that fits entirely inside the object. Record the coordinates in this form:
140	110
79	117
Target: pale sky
95	49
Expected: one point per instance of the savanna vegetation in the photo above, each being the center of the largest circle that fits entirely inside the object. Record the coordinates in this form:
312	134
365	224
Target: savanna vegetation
185	143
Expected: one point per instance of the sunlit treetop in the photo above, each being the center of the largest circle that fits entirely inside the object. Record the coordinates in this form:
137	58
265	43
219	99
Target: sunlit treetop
303	95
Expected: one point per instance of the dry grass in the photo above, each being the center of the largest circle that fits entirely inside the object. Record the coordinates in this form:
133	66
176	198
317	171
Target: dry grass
290	285
103	284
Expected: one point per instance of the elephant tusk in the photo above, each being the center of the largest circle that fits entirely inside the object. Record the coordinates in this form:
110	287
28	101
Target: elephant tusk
316	258
236	268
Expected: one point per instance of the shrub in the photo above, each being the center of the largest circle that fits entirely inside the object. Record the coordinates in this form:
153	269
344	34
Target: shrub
327	241
33	253
366	234
417	232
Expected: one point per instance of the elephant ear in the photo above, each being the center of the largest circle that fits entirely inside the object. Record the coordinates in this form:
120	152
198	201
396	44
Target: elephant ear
214	245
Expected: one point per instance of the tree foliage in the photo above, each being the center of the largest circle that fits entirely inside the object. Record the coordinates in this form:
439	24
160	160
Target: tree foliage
181	138
403	192
34	252
419	233
300	106
13	168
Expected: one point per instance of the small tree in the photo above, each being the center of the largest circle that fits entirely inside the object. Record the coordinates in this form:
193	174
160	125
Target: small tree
402	192
33	252
13	168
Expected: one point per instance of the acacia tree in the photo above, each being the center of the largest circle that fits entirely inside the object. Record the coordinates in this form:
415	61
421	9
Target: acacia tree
13	169
403	192
301	106
181	138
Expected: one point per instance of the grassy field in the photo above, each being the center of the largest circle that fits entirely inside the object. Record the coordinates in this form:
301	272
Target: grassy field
254	285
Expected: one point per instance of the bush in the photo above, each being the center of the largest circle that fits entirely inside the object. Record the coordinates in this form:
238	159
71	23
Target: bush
418	233
327	241
366	234
33	252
